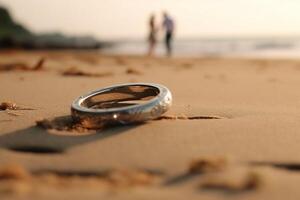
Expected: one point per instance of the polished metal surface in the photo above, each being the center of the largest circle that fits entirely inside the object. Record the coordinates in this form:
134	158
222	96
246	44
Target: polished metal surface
121	104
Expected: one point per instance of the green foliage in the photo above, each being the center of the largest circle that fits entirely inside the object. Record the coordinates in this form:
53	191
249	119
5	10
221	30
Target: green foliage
14	35
9	28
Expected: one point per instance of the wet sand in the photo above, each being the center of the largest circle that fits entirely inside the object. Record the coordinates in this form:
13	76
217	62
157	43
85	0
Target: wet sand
232	132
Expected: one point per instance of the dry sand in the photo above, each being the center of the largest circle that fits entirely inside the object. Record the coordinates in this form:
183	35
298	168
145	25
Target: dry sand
232	132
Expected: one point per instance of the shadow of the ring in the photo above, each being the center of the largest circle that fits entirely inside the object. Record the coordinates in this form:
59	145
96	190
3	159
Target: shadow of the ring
38	140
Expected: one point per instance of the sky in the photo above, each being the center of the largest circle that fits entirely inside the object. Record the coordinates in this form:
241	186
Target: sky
119	19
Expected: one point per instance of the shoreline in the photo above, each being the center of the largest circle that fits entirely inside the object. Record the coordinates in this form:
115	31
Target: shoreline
144	56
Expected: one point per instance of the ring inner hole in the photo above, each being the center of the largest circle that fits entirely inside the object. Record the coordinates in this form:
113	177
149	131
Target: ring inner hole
121	97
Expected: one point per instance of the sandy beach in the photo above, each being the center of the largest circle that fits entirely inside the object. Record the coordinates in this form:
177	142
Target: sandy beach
232	131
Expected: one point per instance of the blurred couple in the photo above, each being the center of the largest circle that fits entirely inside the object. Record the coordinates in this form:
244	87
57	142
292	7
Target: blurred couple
167	26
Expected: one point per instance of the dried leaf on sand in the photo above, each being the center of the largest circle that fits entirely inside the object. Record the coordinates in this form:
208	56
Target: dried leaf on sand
77	72
23	66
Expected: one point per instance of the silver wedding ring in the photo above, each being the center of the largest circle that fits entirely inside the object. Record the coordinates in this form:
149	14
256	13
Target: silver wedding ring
121	104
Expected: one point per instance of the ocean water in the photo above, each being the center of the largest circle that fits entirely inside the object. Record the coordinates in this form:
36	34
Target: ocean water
261	47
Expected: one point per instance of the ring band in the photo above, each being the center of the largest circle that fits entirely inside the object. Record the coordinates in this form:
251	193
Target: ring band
117	104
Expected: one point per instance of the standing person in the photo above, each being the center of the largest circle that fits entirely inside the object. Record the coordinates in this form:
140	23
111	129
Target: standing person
169	26
152	35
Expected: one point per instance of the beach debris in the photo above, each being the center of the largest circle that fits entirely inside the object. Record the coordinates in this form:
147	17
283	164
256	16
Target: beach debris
208	164
12	106
184	117
8	106
73	71
133	71
23	66
250	181
39	65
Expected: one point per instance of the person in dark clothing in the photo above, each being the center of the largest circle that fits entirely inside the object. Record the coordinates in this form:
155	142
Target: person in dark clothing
169	26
